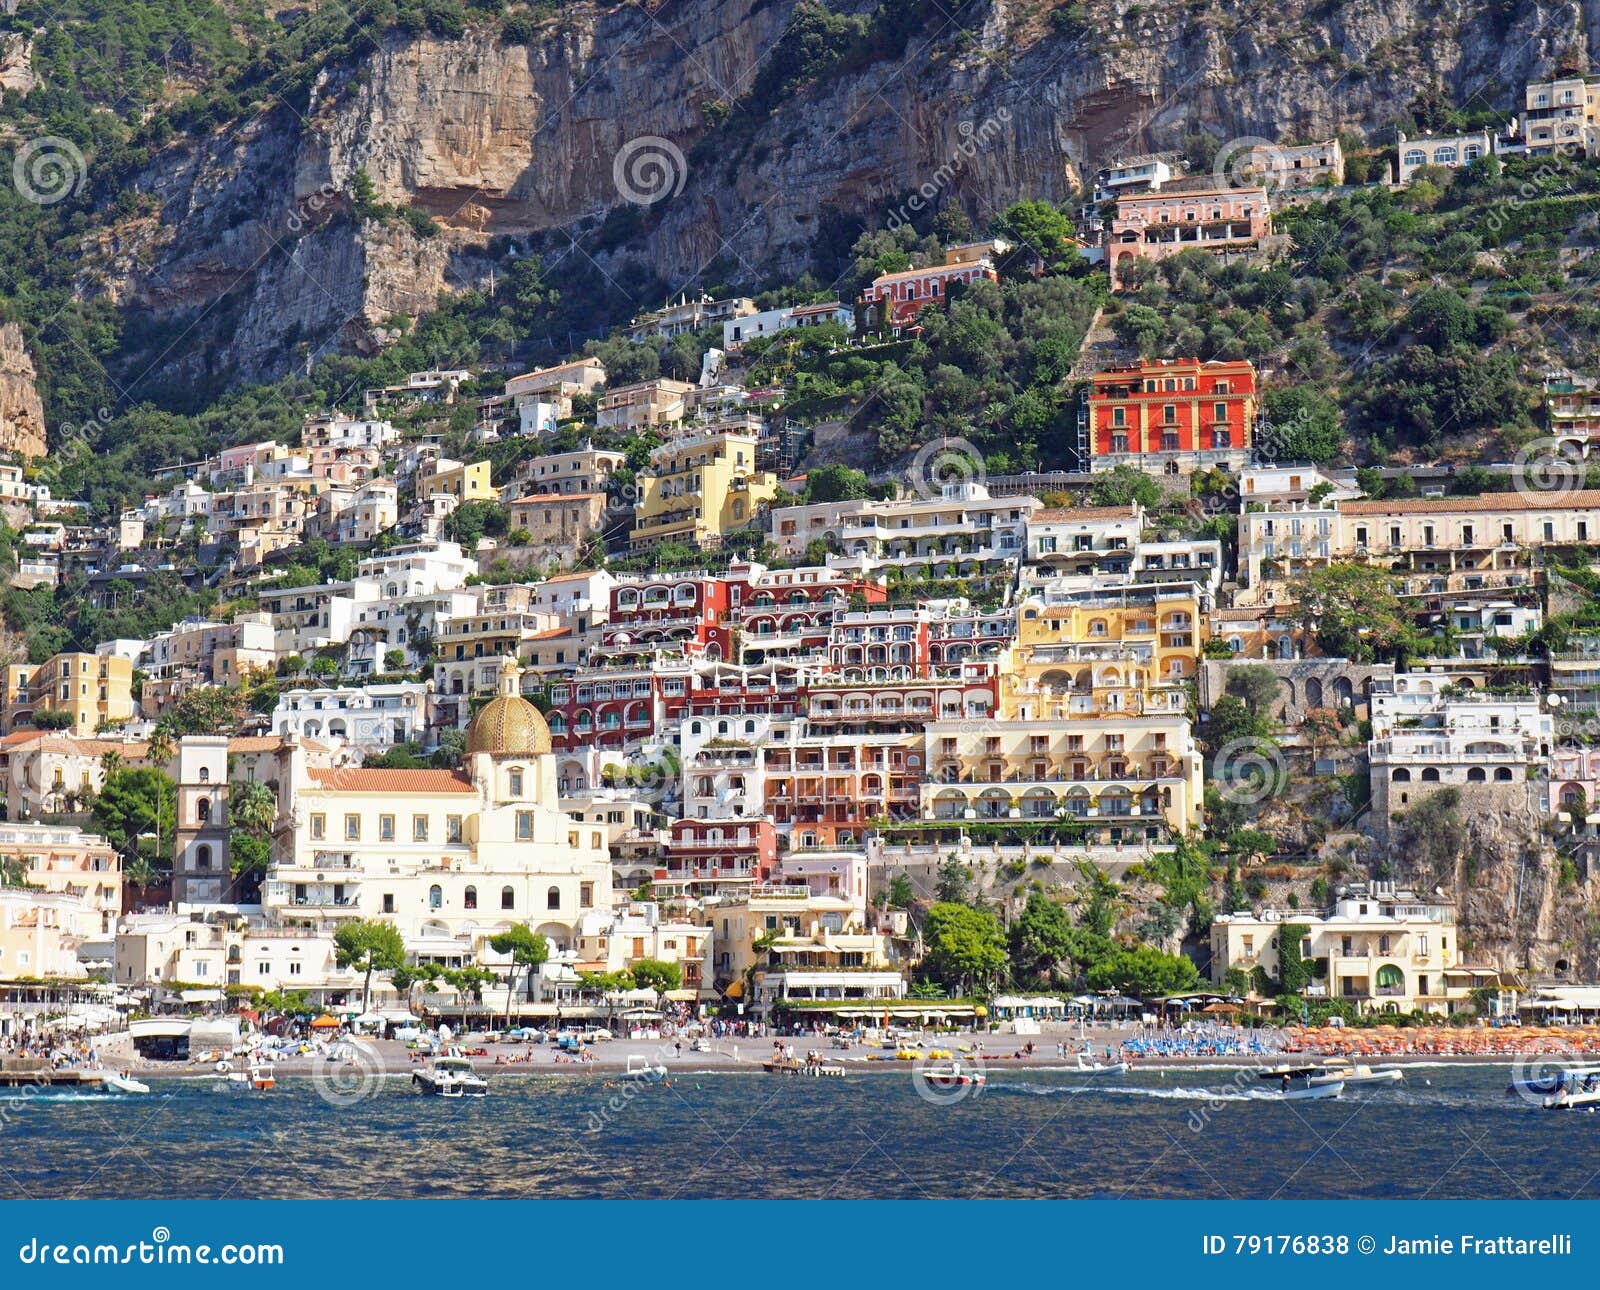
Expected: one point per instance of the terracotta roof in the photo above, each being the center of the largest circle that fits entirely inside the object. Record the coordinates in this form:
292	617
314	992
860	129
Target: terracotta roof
932	268
549	635
270	743
1127	512
1583	499
572	577
53	741
359	779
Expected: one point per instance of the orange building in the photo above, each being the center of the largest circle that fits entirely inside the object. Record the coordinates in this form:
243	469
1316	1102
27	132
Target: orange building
1172	412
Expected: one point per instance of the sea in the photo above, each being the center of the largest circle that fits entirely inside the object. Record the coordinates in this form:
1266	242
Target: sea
1446	1132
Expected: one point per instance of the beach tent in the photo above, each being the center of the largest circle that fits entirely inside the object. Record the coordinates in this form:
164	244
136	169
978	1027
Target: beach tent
325	1022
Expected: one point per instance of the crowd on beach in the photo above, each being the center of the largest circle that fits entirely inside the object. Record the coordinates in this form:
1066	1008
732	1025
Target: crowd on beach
1442	1041
63	1052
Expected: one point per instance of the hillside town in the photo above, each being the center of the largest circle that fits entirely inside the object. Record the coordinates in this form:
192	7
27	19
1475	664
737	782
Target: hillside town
631	664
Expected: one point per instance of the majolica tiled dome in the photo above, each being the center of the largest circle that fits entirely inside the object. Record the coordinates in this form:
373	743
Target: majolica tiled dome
509	724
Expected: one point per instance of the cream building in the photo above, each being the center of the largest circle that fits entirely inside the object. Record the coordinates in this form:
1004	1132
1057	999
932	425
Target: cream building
1125	779
450	856
1486	538
1377	947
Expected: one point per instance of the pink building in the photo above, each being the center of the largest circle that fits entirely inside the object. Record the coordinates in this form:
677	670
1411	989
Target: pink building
1153	226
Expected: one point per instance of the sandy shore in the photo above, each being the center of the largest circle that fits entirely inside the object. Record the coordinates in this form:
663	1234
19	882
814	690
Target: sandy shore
390	1058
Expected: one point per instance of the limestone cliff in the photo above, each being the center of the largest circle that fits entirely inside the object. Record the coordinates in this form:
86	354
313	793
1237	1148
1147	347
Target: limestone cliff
21	410
255	239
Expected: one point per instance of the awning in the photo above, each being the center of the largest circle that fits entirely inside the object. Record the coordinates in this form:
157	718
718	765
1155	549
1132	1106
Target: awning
325	1022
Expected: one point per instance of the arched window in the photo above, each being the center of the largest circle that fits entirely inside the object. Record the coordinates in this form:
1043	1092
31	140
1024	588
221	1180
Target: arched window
1430	775
436	897
1503	775
202	859
508	898
203	809
1391	978
469	899
515	780
1446	156
205	774
1401	775
1476	775
552	898
1416	157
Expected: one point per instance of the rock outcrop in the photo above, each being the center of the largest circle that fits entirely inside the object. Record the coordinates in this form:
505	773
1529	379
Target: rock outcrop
21	409
256	244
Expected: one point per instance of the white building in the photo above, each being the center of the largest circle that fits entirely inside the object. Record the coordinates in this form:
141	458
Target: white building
373	717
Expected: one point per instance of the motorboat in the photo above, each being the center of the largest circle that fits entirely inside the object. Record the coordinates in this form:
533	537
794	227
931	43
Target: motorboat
945	1077
1087	1064
1304	1083
642	1068
1339	1070
1309	1092
122	1082
257	1076
450	1075
1554	1080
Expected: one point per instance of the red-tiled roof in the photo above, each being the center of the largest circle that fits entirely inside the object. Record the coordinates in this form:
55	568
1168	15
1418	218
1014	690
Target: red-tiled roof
1086	513
359	779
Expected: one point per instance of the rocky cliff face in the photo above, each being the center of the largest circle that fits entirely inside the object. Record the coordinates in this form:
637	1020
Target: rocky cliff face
21	409
256	241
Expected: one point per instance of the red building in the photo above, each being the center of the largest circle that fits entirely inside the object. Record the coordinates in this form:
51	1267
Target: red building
689	612
1172	412
911	291
716	857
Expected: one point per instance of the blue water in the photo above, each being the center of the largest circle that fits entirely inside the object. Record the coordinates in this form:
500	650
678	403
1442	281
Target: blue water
1447	1132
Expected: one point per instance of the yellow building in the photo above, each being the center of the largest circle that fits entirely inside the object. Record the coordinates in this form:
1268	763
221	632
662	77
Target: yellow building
466	482
1127	651
700	488
90	688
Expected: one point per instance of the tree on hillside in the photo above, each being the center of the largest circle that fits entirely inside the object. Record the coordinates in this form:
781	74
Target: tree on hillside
1353	610
1143	971
210	710
367	946
966	948
954	884
1123	484
132	802
1256	685
1041	938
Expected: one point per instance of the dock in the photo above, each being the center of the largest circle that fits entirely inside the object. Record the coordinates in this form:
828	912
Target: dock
47	1078
794	1067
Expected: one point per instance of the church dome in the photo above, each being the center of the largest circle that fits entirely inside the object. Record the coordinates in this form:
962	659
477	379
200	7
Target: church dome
509	724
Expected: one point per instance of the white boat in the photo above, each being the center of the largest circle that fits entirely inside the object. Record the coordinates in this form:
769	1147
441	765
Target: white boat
450	1076
642	1068
1337	1070
122	1082
952	1077
1087	1065
1306	1091
1303	1083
